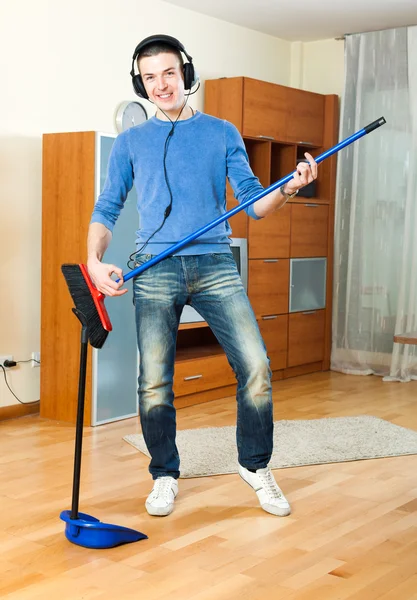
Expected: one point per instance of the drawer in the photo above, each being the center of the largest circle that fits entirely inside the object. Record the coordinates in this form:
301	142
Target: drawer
309	230
274	330
268	286
306	337
270	237
198	374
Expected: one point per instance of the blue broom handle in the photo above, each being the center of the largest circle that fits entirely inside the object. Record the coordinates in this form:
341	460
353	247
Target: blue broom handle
172	249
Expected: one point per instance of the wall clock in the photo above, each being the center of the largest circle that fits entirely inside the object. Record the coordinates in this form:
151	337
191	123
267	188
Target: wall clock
130	114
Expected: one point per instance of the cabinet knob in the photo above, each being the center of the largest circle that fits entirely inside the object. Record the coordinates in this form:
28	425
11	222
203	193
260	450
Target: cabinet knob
192	377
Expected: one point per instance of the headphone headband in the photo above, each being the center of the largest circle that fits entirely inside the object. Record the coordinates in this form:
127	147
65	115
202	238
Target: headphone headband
161	38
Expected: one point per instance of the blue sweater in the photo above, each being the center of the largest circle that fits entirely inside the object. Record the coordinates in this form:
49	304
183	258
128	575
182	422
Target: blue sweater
202	152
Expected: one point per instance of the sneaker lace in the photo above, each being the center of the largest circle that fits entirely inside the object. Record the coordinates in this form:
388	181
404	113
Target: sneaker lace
270	485
162	488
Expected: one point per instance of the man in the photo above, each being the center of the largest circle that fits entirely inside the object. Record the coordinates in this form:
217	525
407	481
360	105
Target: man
179	160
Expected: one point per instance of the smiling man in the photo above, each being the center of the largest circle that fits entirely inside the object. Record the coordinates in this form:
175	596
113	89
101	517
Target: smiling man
179	161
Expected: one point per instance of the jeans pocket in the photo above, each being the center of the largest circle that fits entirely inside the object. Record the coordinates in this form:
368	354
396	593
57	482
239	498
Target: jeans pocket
223	257
141	259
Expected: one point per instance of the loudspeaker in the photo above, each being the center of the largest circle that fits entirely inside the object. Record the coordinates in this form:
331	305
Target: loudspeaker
308	191
190	75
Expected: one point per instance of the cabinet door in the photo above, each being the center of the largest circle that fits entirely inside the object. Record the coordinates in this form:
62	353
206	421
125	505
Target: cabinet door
309	230
116	364
307	284
306	337
265	110
270	237
305	117
268	286
274	330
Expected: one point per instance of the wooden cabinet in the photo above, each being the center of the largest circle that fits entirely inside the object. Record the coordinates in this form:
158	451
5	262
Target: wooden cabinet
278	125
74	170
268	111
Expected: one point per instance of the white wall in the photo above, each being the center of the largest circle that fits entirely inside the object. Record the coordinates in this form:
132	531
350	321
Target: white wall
318	66
65	67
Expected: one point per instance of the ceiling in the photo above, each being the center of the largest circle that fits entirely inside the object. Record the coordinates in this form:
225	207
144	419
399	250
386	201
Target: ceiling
308	20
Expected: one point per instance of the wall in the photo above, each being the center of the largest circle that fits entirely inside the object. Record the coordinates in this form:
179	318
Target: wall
318	66
65	67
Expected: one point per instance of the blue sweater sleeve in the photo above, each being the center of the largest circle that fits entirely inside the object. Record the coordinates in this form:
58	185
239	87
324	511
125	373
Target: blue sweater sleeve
119	182
244	183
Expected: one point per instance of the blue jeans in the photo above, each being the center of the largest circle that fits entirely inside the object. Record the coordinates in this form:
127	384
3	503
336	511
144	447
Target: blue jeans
211	284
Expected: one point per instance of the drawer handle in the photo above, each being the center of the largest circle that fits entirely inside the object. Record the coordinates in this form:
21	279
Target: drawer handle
266	137
271	260
192	377
269	317
311	205
305	143
309	312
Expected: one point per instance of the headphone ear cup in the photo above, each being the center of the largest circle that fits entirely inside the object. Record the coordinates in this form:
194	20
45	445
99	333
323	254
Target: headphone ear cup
189	76
139	87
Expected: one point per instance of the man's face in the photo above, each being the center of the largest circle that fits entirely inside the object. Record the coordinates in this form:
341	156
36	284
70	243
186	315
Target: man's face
163	79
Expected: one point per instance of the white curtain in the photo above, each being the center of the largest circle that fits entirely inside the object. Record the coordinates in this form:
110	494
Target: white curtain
375	282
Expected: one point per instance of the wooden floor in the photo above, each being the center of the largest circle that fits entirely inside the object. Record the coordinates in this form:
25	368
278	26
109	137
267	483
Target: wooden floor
352	534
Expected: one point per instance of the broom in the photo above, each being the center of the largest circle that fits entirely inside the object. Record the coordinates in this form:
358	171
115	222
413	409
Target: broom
90	302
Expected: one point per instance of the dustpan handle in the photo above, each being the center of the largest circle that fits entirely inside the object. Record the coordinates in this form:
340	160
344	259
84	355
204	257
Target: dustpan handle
80	414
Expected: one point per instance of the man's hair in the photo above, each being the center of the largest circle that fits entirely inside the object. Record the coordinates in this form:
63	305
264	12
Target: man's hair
160	48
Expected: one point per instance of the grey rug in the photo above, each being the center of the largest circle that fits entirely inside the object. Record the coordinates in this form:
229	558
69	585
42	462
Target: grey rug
212	450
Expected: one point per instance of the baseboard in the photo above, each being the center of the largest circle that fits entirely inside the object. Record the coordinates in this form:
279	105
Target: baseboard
18	410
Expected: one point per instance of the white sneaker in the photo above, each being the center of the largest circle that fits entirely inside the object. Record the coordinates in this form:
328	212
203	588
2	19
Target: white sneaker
160	501
270	496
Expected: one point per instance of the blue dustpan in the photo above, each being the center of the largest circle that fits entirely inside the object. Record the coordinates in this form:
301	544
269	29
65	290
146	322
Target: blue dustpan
82	529
89	532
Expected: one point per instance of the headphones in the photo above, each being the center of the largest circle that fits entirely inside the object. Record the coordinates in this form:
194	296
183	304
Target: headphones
190	76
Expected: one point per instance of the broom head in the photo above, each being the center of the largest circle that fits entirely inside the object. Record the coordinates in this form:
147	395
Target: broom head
89	301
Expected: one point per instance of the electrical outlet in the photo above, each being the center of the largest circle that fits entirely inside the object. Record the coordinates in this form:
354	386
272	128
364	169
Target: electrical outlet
36	359
5	357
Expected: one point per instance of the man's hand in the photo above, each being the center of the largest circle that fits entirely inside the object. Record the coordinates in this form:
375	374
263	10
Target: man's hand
100	274
305	174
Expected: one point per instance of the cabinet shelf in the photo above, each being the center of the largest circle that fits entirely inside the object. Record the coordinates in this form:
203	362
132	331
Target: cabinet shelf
301	200
193	325
195	352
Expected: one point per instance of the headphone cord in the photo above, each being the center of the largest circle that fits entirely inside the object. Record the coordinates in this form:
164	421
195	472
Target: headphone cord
168	209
